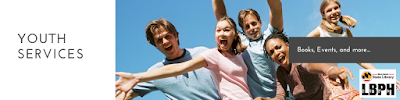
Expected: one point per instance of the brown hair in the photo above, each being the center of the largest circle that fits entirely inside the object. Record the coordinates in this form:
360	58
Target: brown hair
237	46
243	14
346	20
155	24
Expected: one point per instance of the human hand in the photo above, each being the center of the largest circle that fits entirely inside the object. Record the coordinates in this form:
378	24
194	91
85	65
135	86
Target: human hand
397	85
124	84
338	76
119	95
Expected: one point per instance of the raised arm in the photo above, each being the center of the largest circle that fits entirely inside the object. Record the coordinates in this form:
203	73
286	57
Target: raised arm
127	81
219	8
275	14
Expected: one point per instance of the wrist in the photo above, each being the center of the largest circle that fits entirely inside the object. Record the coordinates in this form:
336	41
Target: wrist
138	77
327	71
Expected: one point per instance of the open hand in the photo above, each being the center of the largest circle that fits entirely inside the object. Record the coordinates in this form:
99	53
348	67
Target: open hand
125	83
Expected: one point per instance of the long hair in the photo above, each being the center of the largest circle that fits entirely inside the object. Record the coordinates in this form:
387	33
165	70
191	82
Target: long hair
237	46
330	27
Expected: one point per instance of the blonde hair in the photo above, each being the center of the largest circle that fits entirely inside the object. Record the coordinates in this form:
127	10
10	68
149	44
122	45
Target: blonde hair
346	20
237	46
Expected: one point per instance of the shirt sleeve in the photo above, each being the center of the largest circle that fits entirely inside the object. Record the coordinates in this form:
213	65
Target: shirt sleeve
144	88
211	56
281	87
270	30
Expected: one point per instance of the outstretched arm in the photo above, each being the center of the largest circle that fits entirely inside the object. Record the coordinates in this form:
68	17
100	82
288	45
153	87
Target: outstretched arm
275	14
366	65
127	81
219	8
333	72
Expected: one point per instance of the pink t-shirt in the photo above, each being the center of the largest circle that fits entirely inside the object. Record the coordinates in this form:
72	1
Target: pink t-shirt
229	73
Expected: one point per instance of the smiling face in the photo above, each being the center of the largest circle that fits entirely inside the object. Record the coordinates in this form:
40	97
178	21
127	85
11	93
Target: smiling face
167	43
332	12
252	27
224	35
278	50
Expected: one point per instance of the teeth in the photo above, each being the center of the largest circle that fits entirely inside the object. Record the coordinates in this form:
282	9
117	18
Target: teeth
280	58
167	46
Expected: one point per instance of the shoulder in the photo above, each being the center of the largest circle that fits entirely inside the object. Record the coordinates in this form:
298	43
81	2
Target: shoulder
314	33
155	66
211	51
211	54
194	52
270	29
199	48
300	65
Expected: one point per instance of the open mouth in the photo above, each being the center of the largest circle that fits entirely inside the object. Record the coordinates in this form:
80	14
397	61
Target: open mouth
168	48
281	59
223	43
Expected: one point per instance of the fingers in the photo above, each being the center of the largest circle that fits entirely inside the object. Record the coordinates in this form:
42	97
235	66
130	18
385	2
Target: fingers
333	82
118	93
343	80
345	83
348	72
397	85
120	96
119	73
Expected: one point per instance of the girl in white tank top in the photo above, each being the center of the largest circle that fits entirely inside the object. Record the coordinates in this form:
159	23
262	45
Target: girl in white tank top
331	15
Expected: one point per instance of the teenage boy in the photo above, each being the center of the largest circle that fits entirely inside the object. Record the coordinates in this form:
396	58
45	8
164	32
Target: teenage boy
194	85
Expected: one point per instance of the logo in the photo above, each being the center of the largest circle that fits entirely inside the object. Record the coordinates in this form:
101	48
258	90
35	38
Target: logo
378	83
366	76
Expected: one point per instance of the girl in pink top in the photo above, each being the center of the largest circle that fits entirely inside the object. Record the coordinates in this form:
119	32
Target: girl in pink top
225	62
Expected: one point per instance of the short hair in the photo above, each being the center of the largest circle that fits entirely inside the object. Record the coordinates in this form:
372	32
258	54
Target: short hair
279	35
244	13
155	24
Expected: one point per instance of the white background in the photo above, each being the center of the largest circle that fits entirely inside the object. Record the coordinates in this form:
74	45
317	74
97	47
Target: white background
88	25
378	81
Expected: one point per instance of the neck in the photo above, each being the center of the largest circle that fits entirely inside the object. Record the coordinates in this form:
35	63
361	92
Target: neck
179	54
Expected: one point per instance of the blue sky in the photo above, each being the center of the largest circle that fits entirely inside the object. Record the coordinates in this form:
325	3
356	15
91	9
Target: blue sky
195	21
